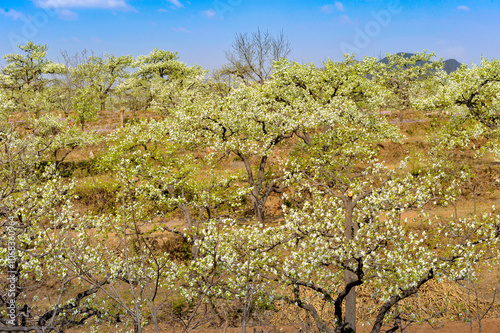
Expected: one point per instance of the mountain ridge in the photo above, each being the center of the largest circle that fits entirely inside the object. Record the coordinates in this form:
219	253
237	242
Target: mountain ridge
450	65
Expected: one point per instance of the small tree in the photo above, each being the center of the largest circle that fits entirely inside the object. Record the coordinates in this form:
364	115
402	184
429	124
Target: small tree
402	76
36	220
251	57
469	96
101	74
85	105
26	79
116	255
156	80
477	89
62	136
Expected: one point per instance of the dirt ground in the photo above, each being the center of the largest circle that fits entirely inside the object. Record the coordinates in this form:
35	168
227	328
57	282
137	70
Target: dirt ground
487	326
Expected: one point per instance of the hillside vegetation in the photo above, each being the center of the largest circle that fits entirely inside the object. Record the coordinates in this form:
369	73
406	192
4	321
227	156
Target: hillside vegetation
361	192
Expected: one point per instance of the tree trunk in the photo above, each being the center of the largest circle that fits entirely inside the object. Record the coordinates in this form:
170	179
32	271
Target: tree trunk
350	300
258	202
258	206
350	304
195	250
103	103
137	327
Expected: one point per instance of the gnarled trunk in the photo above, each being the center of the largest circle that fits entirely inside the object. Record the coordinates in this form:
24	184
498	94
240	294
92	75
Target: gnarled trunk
349	277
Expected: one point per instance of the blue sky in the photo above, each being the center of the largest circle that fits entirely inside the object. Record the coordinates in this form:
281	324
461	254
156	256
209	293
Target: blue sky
200	31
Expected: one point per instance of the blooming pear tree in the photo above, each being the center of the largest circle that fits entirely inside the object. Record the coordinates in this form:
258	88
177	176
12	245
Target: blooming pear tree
85	104
26	77
114	253
153	175
477	88
345	181
57	139
252	121
37	217
469	96
344	228
169	175
334	169
156	80
100	75
404	77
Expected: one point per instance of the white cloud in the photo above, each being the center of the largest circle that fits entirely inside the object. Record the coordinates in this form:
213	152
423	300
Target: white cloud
339	6
102	4
14	14
344	19
176	3
181	29
162	10
210	13
327	9
463	8
75	39
66	14
96	40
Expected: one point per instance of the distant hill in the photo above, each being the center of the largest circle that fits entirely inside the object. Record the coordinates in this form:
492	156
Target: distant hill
450	65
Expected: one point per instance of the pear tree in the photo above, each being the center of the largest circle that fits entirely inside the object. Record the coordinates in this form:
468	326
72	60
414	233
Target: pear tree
37	219
404	78
101	74
27	76
469	98
155	81
85	104
253	121
477	89
171	174
344	228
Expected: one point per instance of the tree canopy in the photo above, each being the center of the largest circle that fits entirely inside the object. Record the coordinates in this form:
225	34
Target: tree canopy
271	184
